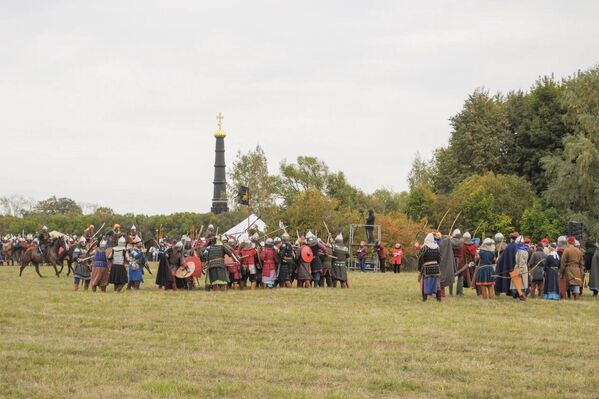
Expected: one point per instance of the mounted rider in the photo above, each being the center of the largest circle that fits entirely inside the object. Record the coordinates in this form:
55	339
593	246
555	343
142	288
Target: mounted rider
112	236
43	239
88	234
133	237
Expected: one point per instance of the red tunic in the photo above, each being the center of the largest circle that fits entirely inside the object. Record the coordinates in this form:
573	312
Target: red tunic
248	256
268	257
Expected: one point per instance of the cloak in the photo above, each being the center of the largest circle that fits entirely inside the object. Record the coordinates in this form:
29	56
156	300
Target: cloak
594	280
446	264
505	265
164	277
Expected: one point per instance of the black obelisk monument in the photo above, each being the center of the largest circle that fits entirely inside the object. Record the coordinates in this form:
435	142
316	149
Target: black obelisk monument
219	200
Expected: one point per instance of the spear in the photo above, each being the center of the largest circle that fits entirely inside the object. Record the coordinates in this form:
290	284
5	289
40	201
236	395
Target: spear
328	231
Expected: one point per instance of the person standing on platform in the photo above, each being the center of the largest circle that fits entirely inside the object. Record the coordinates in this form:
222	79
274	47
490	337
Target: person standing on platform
370	226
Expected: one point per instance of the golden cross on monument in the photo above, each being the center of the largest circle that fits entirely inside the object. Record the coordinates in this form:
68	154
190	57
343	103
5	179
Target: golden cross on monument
220	118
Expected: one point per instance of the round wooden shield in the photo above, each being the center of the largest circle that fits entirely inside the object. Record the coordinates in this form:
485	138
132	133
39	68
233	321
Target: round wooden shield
186	270
307	255
197	264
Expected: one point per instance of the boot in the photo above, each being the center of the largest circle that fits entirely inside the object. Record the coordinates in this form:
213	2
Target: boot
253	286
235	286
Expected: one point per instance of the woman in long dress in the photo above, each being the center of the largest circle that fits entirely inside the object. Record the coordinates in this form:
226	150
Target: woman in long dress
428	266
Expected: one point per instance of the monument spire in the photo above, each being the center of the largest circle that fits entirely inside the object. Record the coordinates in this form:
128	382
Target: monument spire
219	199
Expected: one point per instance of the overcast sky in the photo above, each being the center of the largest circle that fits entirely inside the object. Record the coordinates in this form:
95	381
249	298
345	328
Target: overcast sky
114	102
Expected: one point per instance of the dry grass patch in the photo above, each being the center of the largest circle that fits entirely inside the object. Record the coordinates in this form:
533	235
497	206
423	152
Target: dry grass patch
375	340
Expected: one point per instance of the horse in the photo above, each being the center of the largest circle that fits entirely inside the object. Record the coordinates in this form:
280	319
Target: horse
32	255
13	250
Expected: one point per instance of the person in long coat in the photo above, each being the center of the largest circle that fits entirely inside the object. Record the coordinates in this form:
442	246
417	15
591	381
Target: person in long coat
571	268
551	286
505	265
446	265
594	279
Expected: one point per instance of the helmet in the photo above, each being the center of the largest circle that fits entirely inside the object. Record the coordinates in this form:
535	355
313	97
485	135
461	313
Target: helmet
339	239
398	245
103	244
122	242
456	233
224	238
133	228
210	227
45	228
285	237
277	240
82	240
36	241
498	238
179	244
269	241
467	236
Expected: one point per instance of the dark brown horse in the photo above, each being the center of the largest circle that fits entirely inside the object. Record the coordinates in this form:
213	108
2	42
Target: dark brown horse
33	256
13	251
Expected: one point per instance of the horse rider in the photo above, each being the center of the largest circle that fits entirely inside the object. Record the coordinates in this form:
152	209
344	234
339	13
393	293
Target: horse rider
43	239
88	234
133	234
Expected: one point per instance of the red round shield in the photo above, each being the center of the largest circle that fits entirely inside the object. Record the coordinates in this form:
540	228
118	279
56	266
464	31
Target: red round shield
307	255
197	263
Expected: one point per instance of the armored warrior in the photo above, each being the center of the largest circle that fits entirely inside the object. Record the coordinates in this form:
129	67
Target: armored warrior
286	262
340	255
88	233
43	239
218	274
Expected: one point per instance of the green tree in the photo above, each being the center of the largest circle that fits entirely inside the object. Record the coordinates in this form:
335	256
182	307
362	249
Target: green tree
491	202
250	169
421	173
57	206
307	173
537	129
420	203
478	142
574	174
539	222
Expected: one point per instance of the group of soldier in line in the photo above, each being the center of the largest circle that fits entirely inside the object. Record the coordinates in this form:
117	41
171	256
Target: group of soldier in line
120	259
229	262
518	268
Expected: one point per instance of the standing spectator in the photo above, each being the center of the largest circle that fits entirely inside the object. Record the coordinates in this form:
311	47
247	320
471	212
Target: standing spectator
571	268
382	254
370	226
397	258
362	251
536	263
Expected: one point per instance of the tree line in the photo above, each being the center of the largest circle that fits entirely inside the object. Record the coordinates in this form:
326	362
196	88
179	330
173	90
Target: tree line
526	160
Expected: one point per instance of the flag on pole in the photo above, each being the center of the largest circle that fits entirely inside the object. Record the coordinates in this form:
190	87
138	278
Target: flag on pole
244	195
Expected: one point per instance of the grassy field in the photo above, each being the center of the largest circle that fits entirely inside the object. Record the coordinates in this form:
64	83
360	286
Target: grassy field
376	340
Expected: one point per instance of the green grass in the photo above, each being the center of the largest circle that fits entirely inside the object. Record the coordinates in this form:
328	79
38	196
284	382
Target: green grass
376	340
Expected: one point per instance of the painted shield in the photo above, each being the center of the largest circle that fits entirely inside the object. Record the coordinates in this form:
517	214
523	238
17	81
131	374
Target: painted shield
197	264
307	255
185	271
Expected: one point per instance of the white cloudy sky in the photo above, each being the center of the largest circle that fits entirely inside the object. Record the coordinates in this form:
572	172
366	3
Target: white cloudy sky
114	102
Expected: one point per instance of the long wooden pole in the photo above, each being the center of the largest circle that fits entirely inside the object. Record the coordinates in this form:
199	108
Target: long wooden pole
443	219
454	221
